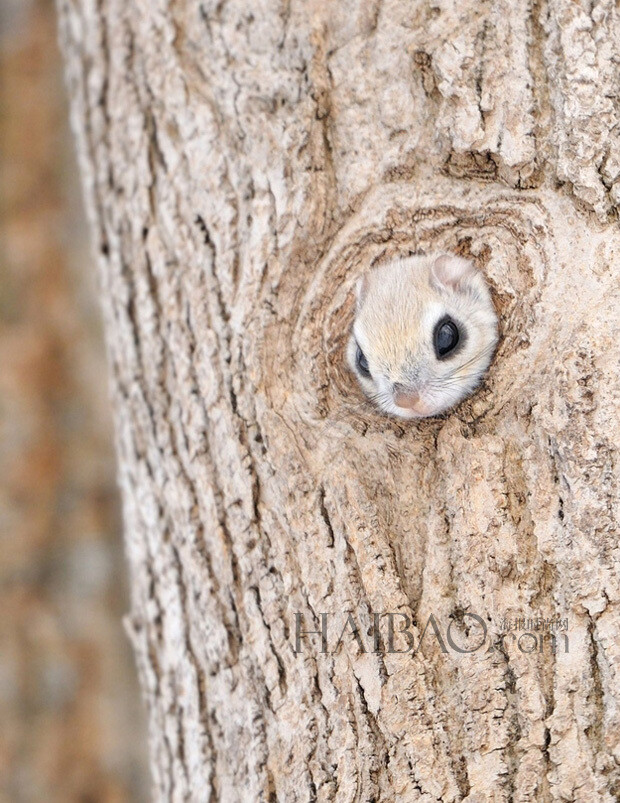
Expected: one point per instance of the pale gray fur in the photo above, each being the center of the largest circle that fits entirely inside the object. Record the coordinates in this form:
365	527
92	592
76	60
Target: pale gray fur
399	304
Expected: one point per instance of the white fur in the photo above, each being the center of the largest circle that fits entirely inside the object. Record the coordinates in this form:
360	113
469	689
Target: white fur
401	303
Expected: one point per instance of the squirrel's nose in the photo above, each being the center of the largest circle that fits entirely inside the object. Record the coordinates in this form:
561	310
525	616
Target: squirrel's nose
405	397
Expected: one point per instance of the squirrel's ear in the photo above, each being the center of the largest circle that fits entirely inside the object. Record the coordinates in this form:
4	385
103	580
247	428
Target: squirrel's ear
451	271
361	289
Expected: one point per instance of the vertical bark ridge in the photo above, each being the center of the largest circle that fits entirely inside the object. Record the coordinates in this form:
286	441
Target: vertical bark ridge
242	168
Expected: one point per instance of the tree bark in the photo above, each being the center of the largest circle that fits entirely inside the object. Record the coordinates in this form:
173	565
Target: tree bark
243	165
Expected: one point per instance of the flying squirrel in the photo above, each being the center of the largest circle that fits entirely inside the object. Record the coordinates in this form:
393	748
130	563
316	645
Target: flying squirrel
424	334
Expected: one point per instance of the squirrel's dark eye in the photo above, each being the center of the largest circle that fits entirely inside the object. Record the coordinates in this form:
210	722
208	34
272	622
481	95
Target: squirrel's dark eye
362	362
446	337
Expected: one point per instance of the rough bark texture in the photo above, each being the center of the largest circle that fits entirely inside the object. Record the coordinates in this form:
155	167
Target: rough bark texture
244	163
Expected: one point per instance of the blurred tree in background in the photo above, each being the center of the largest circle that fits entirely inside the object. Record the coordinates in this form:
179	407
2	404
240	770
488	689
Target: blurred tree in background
72	725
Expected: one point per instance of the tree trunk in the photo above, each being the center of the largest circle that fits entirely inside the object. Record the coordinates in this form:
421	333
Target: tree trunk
243	165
